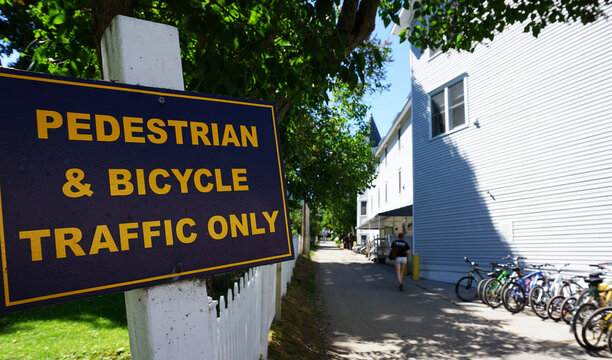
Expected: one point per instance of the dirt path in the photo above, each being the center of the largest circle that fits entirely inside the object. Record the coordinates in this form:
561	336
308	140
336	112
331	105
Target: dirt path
368	318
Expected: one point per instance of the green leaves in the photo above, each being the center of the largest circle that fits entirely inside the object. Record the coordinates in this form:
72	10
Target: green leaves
289	52
462	25
59	19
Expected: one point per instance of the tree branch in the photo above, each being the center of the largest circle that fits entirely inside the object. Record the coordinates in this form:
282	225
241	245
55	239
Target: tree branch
364	22
356	21
347	17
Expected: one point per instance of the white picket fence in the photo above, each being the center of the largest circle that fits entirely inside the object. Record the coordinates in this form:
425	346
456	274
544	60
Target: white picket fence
247	312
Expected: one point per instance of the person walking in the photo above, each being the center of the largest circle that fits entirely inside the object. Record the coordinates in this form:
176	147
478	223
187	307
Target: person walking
403	249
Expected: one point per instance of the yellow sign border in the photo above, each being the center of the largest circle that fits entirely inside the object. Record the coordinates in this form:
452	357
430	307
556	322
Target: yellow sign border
139	281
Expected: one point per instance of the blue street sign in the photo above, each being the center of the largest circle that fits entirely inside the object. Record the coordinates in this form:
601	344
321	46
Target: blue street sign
106	187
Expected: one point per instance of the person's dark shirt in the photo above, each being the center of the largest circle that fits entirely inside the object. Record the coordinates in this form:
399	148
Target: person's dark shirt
402	247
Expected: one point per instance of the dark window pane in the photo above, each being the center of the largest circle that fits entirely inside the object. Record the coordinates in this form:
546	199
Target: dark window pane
457	108
437	115
457	116
399	180
455	93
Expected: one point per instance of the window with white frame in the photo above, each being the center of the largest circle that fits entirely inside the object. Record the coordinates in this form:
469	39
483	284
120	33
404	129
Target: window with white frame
364	208
386	156
399	180
386	197
399	138
448	108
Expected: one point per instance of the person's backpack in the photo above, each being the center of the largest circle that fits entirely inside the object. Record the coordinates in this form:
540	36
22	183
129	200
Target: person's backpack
393	253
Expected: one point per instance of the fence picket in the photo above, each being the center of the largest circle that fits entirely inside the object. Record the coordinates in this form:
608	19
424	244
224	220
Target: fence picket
246	313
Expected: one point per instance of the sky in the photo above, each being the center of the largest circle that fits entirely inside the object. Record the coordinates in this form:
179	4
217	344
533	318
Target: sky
5	60
386	106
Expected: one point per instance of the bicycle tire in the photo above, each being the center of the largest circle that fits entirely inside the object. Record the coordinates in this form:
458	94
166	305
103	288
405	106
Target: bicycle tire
568	307
553	307
582	314
486	291
481	287
595	329
609	340
585	297
466	288
514	298
493	290
565	290
538	299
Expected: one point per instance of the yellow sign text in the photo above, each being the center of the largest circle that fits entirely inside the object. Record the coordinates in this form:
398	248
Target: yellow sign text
107	128
122	182
147	233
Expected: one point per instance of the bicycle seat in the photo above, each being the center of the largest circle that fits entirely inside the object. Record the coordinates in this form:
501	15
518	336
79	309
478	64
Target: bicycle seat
594	279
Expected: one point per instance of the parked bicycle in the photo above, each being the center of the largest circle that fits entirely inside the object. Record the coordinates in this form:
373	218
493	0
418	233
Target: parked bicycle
541	294
599	295
596	328
514	296
466	287
561	306
493	288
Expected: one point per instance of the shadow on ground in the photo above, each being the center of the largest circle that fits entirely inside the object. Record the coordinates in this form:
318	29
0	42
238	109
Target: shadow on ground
368	318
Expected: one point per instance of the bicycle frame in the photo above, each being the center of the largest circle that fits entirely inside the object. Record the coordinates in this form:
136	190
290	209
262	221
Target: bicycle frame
527	282
605	295
557	285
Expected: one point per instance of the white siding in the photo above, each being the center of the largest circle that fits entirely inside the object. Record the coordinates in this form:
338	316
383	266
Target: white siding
533	176
398	158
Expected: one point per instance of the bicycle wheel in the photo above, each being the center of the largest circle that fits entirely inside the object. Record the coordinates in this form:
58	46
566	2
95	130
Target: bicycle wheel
538	299
481	287
492	292
610	340
553	307
514	298
565	290
582	314
568	307
595	329
584	297
466	288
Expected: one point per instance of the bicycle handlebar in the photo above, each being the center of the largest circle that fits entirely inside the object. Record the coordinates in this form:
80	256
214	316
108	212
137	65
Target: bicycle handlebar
465	258
602	266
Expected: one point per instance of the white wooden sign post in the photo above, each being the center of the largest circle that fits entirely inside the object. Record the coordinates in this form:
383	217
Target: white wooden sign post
171	321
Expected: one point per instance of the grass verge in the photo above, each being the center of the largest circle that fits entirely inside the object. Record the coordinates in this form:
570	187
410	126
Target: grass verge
299	334
96	328
93	328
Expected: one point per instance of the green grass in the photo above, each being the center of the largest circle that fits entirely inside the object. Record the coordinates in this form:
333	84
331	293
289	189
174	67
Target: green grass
93	328
96	328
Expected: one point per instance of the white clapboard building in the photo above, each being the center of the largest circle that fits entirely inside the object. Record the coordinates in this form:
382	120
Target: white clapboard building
511	151
386	207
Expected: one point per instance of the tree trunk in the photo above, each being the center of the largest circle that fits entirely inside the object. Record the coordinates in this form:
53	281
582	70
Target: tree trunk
103	12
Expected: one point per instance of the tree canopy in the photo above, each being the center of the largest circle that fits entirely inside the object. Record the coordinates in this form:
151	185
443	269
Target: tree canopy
463	24
315	59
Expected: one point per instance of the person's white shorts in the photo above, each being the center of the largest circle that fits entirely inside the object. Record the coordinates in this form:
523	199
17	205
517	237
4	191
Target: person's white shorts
401	260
